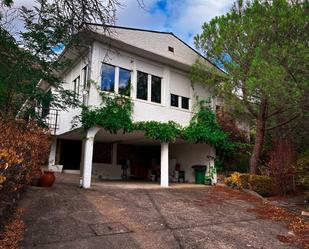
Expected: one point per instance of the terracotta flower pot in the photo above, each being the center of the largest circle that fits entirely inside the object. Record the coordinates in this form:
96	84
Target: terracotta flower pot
47	179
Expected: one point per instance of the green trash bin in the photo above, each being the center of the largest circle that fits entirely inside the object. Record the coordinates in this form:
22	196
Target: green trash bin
199	172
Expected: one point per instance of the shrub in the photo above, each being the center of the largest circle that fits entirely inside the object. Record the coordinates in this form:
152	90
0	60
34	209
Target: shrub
302	171
261	184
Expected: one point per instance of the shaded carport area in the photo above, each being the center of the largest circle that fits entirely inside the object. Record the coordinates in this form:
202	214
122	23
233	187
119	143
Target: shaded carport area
102	155
111	215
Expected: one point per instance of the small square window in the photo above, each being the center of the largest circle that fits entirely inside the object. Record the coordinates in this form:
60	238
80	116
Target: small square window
185	103
171	49
174	100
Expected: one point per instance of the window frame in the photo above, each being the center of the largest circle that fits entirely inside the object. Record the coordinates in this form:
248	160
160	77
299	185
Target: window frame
177	96
146	84
152	98
114	84
130	83
182	98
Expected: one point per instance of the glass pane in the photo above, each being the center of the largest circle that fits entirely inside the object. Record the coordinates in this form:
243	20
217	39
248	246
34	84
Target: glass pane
185	103
174	100
142	85
155	89
108	78
124	81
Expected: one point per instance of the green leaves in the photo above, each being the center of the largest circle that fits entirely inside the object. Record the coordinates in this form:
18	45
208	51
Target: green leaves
165	132
115	115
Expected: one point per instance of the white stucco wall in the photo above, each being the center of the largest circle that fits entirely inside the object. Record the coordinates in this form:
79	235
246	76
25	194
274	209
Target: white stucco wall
172	81
191	154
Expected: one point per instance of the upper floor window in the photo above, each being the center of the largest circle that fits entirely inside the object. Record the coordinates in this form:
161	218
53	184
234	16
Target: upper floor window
142	85
108	78
174	100
124	82
184	101
77	88
85	76
155	89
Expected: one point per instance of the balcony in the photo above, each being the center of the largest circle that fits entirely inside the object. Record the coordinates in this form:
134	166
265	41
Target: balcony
50	118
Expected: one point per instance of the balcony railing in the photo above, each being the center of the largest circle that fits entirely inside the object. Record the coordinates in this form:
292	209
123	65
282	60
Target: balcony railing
50	118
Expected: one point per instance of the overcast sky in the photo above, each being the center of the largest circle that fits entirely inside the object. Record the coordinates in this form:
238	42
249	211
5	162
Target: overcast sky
182	17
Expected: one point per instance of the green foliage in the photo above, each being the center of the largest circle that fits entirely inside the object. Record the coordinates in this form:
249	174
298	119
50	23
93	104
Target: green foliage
114	115
263	48
165	132
204	128
302	171
261	184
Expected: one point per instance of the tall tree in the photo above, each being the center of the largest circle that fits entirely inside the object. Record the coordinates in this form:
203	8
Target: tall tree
33	53
262	45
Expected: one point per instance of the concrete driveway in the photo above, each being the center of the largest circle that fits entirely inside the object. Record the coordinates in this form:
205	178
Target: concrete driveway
127	216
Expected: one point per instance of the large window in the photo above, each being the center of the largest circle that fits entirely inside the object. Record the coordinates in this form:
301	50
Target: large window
142	85
108	78
174	100
155	89
124	81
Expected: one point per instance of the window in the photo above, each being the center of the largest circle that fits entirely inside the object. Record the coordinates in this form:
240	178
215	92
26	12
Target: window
185	103
155	89
174	100
124	81
85	71
108	78
142	85
171	49
76	84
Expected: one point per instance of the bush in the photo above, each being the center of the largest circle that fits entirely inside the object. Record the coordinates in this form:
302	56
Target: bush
302	171
261	184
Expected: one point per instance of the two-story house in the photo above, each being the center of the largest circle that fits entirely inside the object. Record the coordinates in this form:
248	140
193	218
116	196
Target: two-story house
152	69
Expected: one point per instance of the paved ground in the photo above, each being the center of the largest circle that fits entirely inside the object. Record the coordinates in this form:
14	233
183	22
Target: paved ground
143	216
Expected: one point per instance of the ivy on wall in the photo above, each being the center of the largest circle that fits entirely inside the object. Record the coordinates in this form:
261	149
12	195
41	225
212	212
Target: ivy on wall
116	114
165	132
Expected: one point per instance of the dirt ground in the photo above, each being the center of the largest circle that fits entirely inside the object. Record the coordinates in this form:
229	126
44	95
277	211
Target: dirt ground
136	215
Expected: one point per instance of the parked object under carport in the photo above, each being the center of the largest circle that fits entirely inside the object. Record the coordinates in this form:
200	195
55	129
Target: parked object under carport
199	173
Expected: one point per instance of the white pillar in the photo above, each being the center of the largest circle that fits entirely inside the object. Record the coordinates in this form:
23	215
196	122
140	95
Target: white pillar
164	164
52	153
87	160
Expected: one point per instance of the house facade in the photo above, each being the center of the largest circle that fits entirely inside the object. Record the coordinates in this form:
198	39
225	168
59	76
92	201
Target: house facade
152	68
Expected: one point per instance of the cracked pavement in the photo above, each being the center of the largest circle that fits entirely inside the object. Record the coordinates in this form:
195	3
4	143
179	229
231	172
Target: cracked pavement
141	216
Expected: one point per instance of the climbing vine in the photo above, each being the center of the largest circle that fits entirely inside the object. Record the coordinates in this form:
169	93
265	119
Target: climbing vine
165	132
116	114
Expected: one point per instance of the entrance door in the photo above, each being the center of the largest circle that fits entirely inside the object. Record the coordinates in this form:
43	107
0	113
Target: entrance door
70	154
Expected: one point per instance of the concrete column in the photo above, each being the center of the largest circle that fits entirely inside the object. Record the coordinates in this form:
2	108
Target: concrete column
52	153
88	153
164	164
81	166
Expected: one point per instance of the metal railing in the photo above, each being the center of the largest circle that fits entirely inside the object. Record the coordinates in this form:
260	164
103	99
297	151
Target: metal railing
50	118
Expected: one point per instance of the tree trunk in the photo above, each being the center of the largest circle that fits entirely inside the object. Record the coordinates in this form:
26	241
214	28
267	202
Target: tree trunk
259	139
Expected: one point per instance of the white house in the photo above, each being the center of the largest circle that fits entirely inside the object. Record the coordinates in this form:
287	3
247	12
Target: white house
152	68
